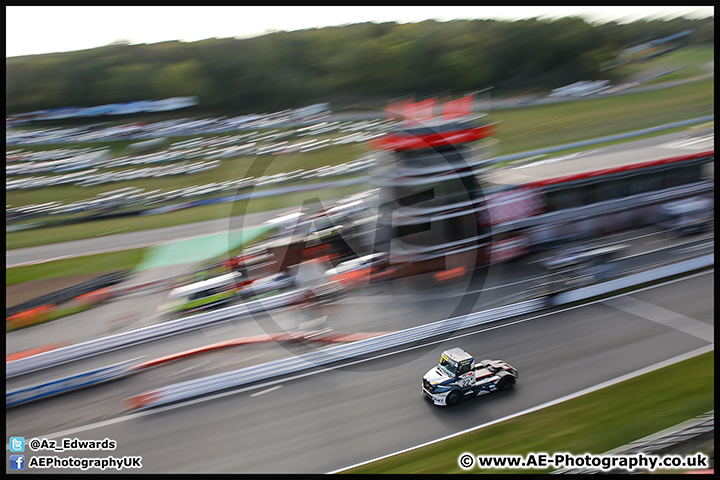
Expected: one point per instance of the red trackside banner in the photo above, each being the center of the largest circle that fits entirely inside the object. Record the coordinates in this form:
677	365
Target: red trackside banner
457	108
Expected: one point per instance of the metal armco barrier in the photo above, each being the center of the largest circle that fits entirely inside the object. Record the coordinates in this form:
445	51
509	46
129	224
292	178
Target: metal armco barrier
244	376
69	293
248	375
93	347
656	443
294	337
630	280
68	384
660	441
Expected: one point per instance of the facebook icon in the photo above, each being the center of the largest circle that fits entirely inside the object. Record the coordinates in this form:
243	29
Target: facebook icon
17	462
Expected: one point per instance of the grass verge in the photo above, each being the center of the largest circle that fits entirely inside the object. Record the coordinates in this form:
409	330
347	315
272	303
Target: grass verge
529	128
571	151
100	263
521	129
691	61
58	313
65	233
593	423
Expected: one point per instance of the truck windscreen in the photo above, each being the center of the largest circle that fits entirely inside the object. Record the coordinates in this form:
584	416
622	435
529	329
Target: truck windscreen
448	365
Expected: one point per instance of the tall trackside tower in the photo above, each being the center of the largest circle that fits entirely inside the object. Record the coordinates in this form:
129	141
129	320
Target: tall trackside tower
430	197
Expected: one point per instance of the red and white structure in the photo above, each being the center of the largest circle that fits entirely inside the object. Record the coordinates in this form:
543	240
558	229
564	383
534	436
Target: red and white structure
600	193
441	207
430	197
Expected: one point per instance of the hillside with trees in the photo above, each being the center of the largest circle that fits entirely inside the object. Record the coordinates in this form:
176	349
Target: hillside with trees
342	65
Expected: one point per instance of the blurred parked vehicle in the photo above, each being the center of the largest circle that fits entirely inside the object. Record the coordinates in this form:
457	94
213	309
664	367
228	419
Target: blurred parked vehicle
581	265
362	268
210	293
268	284
687	216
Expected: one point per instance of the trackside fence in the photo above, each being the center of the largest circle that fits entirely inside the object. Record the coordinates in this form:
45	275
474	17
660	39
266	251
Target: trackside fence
64	385
278	368
228	380
249	375
146	334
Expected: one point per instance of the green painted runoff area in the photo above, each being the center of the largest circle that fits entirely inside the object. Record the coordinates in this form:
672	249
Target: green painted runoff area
198	249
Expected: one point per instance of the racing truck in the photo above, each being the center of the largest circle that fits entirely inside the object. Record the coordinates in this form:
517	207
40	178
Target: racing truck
457	377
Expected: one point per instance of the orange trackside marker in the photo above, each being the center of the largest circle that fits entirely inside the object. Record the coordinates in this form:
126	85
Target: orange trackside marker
448	274
141	400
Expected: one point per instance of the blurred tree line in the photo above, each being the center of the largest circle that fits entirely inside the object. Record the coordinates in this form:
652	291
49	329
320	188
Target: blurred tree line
335	64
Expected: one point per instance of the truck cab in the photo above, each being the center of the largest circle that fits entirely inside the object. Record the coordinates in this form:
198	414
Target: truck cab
456	377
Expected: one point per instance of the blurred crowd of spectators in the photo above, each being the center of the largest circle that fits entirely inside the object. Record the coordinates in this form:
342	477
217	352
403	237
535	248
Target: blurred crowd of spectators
156	156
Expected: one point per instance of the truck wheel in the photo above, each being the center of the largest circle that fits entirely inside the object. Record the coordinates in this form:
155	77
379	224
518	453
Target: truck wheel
506	382
452	399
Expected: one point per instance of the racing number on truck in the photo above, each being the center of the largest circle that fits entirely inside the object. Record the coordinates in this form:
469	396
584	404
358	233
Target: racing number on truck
465	375
466	380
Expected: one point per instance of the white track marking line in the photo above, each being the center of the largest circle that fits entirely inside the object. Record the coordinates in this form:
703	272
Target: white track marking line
257	394
134	415
660	315
614	381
